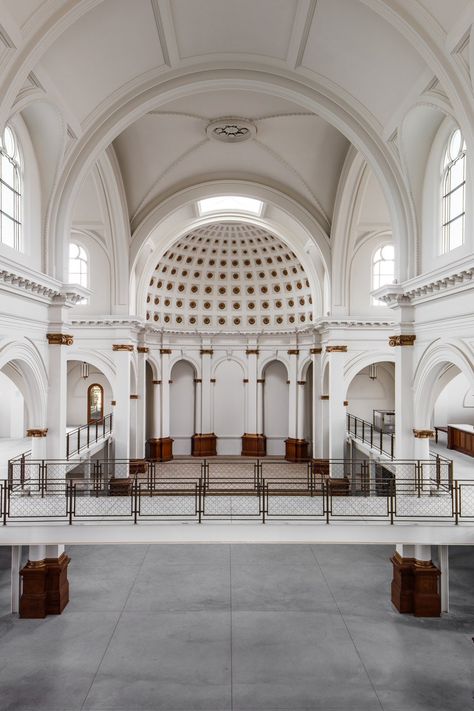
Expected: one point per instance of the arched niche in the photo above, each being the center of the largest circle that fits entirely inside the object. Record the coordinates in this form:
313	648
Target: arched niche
275	407
366	393
12	409
78	392
229	407
182	407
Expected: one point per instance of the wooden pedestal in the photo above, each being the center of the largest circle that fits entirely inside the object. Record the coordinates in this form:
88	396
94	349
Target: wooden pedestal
426	597
254	445
138	466
120	487
57	584
296	450
204	445
415	587
338	487
402	583
45	589
161	449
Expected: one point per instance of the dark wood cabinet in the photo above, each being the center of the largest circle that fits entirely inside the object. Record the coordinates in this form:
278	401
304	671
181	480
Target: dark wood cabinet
461	439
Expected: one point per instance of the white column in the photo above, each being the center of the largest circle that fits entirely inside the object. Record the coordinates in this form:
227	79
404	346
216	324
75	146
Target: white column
36	553
404	404
443	554
300	410
206	390
260	425
165	392
197	406
54	551
337	394
423	553
156	430
122	356
57	395
15	579
141	402
133	424
405	550
251	425
292	395
318	418
38	442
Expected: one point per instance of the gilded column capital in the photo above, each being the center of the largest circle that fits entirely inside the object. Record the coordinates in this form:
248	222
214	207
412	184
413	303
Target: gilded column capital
423	434
59	339
316	351
336	349
142	349
122	347
37	432
401	340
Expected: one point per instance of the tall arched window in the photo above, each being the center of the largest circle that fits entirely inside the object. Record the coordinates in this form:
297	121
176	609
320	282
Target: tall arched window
95	403
78	265
10	190
453	192
383	268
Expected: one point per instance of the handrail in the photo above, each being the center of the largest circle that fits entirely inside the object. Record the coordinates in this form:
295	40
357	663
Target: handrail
366	432
85	435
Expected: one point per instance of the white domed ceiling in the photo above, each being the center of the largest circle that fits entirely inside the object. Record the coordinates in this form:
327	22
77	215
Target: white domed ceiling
229	276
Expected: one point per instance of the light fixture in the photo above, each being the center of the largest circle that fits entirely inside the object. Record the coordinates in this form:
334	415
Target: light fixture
85	371
373	371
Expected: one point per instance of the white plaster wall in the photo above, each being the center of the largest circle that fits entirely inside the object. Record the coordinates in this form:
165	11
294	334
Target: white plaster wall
77	393
365	395
229	420
455	405
275	408
182	407
12	410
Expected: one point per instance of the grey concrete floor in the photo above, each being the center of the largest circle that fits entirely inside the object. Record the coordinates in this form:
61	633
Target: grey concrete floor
242	628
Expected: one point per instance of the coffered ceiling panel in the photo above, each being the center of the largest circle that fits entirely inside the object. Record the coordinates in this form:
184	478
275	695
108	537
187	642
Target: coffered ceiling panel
359	51
226	26
107	47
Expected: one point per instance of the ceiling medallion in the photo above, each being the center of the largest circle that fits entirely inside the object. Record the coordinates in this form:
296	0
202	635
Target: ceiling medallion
231	130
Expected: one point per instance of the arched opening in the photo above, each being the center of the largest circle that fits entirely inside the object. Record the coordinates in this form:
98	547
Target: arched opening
275	407
89	397
453	413
95	403
182	407
228	413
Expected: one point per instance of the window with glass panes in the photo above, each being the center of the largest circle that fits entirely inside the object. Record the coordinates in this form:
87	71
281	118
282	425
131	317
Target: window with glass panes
10	190
453	192
383	268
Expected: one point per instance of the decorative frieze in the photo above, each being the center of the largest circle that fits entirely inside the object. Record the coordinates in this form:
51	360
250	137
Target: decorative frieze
122	347
423	434
59	339
206	351
316	351
142	349
251	351
293	351
165	351
336	349
401	340
37	432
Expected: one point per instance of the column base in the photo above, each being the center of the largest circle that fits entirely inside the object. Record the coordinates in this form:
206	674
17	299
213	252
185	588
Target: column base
296	450
254	445
204	445
402	583
160	448
57	584
138	466
415	587
426	597
45	587
33	596
120	487
338	487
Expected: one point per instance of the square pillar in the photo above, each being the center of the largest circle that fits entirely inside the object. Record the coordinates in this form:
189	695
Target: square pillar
337	408
404	402
57	394
122	356
318	418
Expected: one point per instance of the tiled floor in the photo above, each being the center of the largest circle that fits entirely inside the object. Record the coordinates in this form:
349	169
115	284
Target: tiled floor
243	628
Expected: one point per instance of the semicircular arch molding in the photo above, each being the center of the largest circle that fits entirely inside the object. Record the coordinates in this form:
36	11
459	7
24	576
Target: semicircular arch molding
25	358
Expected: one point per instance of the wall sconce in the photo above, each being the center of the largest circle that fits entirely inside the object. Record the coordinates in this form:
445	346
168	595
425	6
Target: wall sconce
85	371
373	371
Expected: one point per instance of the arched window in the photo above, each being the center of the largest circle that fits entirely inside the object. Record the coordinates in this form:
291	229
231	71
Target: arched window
453	192
383	268
95	403
78	265
10	190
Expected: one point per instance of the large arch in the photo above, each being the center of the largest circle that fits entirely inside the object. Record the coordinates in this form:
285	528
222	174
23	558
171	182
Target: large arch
22	362
313	97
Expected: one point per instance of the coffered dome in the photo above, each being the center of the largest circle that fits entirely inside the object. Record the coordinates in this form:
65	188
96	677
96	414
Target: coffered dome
229	276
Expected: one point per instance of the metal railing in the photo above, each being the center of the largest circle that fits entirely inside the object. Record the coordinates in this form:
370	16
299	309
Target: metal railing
383	442
192	490
86	435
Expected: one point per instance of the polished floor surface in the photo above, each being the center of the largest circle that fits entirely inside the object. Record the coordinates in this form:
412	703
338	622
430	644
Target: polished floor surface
222	628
